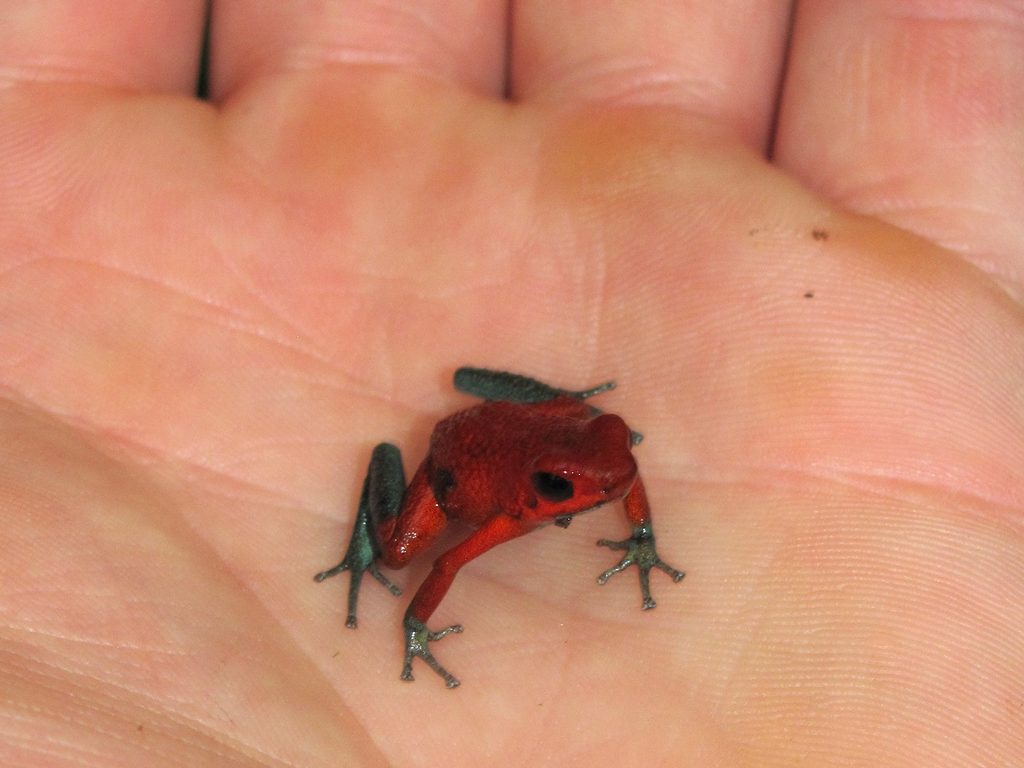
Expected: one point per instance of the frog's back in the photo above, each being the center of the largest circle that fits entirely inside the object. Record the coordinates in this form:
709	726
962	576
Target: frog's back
495	429
481	457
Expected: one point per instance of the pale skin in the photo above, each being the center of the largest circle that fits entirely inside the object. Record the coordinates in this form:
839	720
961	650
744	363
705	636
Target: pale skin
808	286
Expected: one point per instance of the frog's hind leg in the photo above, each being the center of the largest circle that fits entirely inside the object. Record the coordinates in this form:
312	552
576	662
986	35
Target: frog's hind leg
511	387
379	503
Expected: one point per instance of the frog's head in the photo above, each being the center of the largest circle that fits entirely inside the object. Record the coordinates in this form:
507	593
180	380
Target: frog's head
591	467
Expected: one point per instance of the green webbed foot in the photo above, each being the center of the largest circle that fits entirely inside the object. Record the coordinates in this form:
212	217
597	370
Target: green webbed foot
380	498
359	558
640	551
417	636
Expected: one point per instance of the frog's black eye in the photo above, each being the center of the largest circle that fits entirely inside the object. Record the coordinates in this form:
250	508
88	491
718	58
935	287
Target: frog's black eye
552	487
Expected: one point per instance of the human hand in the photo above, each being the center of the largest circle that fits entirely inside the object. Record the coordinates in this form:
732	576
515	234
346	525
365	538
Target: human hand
210	312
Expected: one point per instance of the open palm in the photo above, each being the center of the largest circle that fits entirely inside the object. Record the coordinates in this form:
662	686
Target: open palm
211	311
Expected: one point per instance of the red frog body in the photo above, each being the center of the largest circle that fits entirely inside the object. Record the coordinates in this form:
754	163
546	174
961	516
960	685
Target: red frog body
528	456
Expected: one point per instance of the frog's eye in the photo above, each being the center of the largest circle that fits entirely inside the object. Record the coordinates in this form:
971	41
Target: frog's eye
552	487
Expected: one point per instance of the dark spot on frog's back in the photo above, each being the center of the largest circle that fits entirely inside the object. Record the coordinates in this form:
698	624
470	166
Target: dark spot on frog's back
442	481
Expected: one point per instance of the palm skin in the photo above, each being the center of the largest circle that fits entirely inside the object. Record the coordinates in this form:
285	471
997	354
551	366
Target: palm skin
209	317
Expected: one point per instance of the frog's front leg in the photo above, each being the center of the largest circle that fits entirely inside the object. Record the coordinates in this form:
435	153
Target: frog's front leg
496	530
639	547
379	503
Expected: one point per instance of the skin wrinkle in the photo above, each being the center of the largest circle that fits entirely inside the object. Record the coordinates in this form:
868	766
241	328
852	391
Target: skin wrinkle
53	71
873	673
164	712
219	312
277	311
997	13
100	435
880	487
203	302
424	23
596	278
111	709
69	745
79	46
953	81
418	58
155	649
629	81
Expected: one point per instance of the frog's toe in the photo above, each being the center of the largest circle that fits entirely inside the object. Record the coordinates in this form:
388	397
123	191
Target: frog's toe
639	551
393	588
417	637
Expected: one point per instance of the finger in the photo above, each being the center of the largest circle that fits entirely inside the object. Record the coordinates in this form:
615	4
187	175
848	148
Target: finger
914	112
716	59
461	42
150	46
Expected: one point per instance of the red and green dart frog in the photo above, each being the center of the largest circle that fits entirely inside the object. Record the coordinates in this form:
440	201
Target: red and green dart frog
529	455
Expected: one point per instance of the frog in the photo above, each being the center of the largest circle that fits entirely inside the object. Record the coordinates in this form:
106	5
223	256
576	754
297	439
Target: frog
529	455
